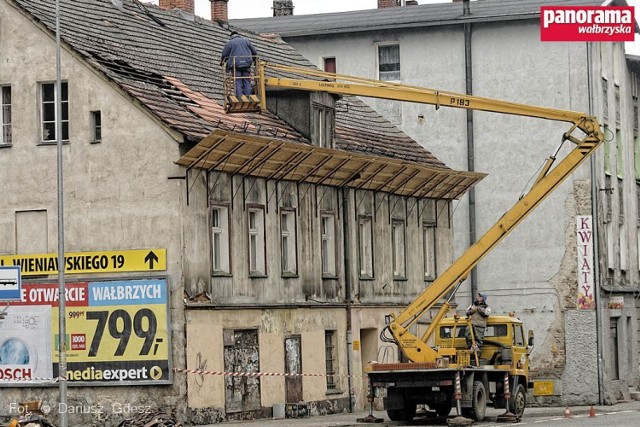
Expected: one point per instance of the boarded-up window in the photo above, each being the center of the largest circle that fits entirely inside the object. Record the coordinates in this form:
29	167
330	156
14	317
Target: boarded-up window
330	64
31	232
241	354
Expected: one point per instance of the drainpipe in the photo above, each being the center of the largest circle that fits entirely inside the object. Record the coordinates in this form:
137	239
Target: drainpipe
347	290
470	143
596	246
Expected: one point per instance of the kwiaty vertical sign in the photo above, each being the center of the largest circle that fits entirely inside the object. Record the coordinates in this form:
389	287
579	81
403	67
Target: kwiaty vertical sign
584	241
587	24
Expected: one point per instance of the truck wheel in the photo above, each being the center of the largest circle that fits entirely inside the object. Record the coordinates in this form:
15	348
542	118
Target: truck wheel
518	401
405	414
479	402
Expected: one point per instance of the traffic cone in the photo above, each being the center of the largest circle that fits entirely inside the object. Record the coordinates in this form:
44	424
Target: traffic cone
567	413
592	412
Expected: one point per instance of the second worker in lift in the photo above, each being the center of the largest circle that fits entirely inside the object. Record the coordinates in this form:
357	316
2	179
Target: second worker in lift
478	313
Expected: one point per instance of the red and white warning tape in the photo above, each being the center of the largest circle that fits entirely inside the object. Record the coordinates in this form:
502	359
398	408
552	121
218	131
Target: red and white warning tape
249	374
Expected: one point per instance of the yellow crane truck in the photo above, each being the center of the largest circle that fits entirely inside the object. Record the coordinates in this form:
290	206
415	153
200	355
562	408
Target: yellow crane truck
440	369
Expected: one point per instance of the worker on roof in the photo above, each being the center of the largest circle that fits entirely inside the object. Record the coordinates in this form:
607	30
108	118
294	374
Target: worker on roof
239	54
478	313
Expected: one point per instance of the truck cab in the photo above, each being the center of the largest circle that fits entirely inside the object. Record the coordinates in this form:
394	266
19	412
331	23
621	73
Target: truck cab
504	341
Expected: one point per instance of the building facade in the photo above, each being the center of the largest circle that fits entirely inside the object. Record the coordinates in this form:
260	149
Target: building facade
493	49
264	247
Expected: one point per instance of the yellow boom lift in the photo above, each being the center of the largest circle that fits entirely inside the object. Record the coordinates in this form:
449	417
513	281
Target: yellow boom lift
501	374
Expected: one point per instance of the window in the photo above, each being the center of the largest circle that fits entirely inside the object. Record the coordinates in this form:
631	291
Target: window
397	237
96	125
323	125
605	98
518	336
389	62
220	239
365	247
330	358
607	151
623	247
5	115
328	245
330	64
620	162
636	154
616	94
48	112
257	264
429	250
288	242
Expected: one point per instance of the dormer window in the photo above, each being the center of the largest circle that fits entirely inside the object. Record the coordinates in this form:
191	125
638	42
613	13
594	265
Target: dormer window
323	118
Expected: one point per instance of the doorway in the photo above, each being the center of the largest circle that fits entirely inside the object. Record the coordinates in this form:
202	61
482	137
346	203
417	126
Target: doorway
293	365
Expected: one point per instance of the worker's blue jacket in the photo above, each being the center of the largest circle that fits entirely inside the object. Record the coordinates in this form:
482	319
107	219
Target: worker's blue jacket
241	49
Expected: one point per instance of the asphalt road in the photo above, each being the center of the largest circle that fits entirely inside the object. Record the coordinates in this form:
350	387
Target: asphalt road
621	414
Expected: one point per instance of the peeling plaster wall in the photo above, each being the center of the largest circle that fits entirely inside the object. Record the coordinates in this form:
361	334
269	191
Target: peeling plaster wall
109	205
206	394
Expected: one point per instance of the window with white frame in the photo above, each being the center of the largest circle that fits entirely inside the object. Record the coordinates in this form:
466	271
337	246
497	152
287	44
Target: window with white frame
389	62
288	242
257	258
365	246
220	253
389	70
398	242
5	115
429	250
48	112
328	244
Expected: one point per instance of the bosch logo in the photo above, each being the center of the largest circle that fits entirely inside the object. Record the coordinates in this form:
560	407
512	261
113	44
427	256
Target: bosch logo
76	314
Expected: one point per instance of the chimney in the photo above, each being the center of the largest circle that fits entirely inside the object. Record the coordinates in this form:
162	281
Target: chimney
219	10
185	5
282	7
387	3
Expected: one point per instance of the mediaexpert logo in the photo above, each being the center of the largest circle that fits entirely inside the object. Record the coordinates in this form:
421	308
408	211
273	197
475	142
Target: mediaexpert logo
587	23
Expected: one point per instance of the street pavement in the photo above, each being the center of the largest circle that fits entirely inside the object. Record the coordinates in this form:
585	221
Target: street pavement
620	414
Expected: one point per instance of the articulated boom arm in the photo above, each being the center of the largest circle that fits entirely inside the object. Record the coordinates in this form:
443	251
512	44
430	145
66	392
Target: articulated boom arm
588	138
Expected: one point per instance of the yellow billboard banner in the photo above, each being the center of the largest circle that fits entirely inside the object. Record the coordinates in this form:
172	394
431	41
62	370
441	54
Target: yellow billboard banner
89	262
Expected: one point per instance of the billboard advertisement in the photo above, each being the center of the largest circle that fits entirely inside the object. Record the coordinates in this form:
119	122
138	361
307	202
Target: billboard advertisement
117	333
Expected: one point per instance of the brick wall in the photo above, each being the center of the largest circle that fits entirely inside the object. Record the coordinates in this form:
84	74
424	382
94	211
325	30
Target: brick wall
219	10
186	5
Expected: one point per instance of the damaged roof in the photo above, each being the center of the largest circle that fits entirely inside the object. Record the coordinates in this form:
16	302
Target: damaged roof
169	61
392	18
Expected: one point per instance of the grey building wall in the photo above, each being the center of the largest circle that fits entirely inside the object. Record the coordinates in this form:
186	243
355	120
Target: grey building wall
533	272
